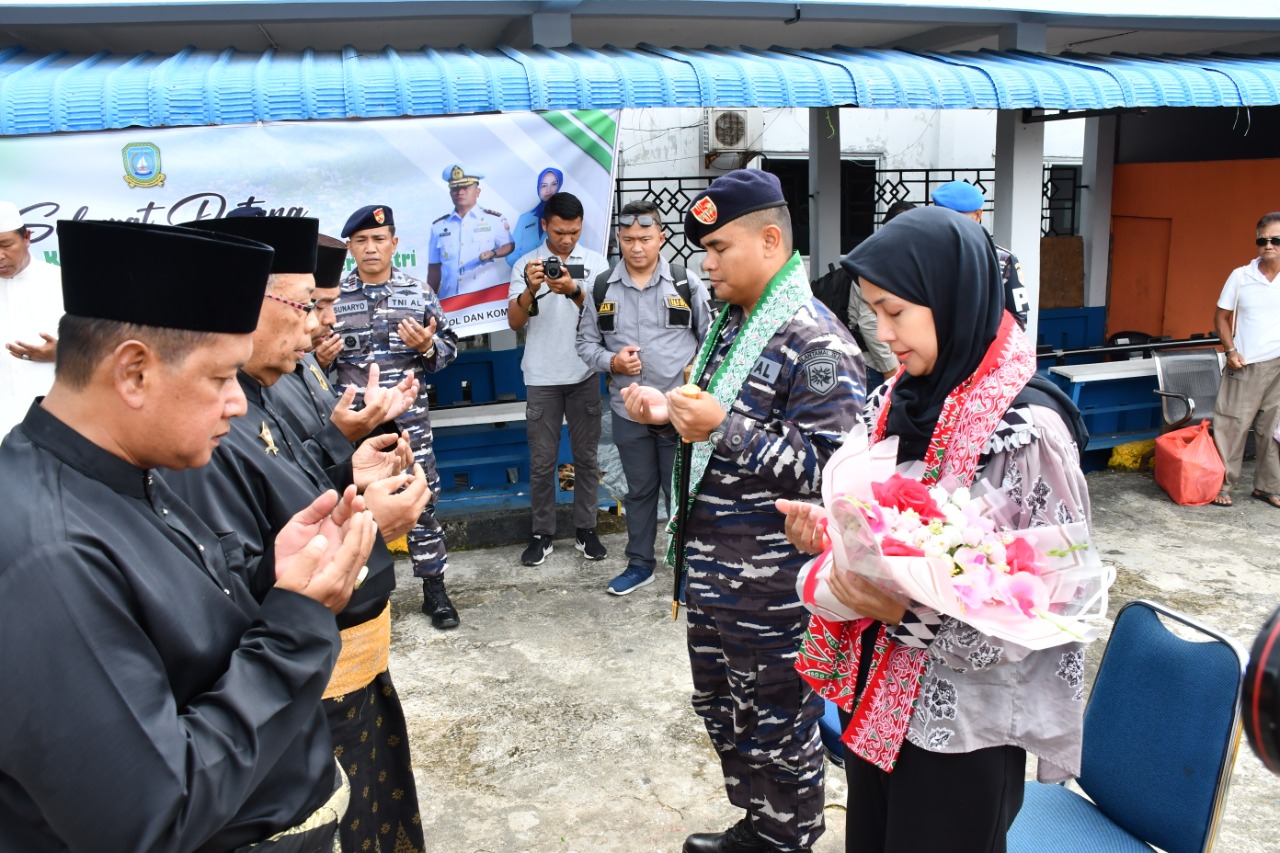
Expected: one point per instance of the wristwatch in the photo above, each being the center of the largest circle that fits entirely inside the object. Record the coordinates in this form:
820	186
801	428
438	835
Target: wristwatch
718	432
576	293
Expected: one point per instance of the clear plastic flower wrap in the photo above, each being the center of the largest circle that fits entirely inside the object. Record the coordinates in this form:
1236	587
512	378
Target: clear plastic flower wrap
950	548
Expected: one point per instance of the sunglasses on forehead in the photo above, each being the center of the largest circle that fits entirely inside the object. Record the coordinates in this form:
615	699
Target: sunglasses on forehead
628	219
1262	241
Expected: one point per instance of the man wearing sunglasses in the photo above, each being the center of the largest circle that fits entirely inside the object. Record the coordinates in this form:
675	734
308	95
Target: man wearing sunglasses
643	324
1248	324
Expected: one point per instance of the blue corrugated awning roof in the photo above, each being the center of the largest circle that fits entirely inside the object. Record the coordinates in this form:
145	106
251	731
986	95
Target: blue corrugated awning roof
45	93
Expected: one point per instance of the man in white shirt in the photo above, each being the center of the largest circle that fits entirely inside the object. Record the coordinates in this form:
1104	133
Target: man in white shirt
1247	320
30	308
546	302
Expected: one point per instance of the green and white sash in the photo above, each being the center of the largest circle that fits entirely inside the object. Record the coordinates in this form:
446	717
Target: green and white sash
783	296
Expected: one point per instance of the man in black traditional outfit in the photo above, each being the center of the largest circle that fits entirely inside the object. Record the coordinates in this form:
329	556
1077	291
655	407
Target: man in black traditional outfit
260	475
308	400
154	703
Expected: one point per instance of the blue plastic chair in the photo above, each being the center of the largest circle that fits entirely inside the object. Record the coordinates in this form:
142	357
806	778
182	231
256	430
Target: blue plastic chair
1161	734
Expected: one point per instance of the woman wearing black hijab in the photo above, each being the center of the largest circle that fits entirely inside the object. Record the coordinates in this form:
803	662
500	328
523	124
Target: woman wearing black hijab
936	754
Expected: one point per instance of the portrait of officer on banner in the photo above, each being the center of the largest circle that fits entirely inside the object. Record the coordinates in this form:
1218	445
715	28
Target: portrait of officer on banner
466	242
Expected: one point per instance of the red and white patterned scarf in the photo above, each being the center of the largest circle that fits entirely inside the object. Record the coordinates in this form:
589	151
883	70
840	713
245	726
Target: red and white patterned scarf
830	652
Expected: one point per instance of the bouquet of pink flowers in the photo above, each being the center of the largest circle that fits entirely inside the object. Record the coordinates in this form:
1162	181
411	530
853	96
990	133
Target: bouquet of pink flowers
946	547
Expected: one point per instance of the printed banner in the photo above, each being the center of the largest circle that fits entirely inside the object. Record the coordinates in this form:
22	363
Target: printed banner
463	246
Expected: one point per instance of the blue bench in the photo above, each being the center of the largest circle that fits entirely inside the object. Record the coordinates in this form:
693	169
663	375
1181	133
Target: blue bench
1115	398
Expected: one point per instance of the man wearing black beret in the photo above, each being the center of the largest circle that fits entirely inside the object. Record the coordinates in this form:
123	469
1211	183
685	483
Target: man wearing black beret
390	319
162	706
783	381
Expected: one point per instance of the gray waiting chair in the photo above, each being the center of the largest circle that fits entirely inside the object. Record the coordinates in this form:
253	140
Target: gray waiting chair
1188	384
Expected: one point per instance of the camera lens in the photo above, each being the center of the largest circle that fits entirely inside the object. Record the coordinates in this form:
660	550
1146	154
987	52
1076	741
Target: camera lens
551	267
1261	696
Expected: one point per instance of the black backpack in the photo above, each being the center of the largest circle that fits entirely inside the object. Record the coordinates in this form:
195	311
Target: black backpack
833	291
1042	392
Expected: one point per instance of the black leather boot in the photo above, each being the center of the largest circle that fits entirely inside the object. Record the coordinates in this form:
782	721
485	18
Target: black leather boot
739	838
436	604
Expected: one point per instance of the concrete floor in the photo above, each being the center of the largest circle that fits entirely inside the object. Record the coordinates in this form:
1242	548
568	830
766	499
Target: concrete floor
556	718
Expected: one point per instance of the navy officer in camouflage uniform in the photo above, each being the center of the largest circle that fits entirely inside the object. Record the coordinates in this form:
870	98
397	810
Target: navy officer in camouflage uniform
388	318
783	379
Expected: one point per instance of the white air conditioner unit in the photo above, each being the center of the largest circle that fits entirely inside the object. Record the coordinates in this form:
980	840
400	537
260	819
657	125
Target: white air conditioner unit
728	135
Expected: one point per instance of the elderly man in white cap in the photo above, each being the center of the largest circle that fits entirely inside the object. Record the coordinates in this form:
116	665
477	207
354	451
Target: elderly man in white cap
30	307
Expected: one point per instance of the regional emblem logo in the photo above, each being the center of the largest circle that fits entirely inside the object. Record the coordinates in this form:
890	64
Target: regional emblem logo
379	216
142	165
705	211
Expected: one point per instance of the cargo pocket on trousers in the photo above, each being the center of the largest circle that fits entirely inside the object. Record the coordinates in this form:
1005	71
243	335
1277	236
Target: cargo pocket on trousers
778	696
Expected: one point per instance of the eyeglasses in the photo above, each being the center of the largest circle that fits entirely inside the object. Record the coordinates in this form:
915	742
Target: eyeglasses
1262	241
628	219
304	307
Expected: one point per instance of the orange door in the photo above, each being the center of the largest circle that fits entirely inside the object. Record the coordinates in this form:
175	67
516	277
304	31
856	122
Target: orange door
1139	274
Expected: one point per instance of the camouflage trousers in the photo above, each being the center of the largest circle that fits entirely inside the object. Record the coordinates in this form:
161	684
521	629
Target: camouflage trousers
761	716
426	539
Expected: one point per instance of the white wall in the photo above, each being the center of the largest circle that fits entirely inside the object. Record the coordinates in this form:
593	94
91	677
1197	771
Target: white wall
668	142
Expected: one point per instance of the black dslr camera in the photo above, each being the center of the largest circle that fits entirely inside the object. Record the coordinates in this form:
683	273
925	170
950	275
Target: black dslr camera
1261	698
552	268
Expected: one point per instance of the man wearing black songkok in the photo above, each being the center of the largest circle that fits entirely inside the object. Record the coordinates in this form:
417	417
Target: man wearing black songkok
260	476
161	706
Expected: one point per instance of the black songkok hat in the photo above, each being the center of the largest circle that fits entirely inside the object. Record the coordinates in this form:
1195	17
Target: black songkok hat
730	196
331	261
162	275
293	237
371	216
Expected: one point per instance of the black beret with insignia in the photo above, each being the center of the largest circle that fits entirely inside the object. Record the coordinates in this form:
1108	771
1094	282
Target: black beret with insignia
729	197
370	216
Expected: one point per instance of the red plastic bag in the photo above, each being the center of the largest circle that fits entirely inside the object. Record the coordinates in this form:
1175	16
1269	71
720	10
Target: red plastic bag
1188	466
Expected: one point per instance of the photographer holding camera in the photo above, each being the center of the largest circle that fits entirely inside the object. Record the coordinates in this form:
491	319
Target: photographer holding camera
546	297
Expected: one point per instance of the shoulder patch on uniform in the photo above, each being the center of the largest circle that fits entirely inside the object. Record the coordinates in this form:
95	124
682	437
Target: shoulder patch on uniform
442	218
492	212
676	302
820	370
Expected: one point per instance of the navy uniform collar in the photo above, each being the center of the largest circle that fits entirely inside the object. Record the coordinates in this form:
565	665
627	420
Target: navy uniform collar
83	455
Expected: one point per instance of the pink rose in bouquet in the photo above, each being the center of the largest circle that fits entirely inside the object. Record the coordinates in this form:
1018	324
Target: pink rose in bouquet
902	493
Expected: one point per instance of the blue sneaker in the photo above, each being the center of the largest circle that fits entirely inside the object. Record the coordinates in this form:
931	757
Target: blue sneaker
631	580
